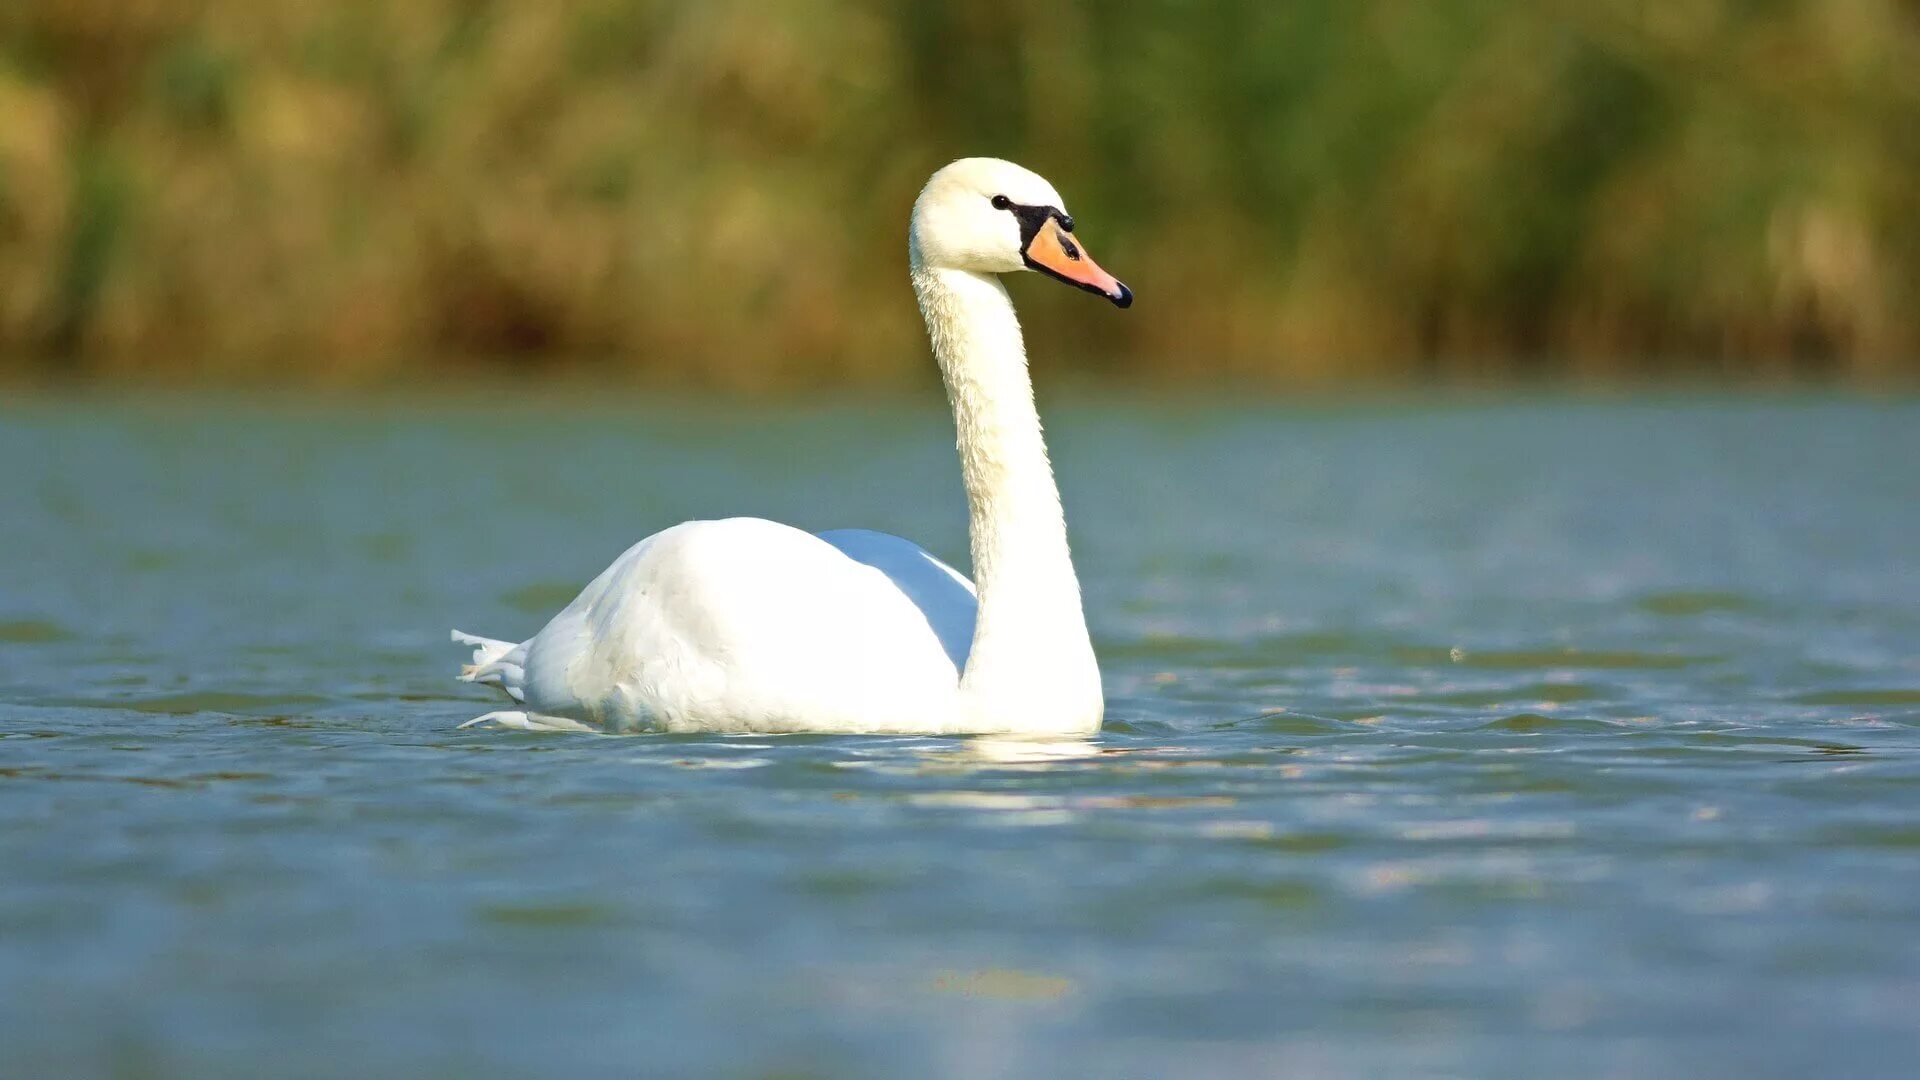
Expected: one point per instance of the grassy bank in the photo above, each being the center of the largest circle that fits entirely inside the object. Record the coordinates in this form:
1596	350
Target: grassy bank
1310	191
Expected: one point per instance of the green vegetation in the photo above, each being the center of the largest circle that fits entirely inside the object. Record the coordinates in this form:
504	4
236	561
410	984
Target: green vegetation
717	190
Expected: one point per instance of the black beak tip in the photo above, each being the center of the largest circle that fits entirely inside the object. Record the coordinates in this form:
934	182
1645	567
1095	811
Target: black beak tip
1125	297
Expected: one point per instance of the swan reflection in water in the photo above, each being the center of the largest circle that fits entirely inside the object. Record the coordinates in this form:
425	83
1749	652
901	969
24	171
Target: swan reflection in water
1014	750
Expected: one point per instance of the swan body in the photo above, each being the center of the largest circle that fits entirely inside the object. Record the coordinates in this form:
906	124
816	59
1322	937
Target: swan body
747	625
751	625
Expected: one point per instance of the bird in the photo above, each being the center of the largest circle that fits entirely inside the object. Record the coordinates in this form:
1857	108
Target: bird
744	625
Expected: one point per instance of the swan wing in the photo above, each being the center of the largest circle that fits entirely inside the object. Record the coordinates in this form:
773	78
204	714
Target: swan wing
750	625
942	594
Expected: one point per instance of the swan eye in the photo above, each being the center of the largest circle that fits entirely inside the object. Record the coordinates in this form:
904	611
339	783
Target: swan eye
1001	202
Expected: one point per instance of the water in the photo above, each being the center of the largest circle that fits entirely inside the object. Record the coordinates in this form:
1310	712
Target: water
1476	738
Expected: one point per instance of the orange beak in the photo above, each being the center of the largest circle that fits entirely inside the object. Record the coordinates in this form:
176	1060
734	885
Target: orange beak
1054	251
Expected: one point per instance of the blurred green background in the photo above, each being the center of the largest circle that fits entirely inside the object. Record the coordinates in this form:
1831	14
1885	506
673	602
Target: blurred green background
716	192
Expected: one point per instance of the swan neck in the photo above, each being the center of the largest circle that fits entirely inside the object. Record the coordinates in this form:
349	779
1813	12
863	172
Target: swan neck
1031	664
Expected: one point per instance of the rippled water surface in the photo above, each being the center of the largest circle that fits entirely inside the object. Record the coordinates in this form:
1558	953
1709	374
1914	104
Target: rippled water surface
1469	738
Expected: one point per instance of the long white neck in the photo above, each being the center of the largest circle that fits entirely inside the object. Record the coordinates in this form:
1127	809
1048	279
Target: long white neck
1031	667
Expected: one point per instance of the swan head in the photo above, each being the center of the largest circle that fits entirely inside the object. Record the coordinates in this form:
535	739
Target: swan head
993	217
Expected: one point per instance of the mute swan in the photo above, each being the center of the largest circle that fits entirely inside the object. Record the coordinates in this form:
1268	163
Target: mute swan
746	625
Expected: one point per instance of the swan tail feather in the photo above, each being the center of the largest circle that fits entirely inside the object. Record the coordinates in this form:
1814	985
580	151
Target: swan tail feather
495	663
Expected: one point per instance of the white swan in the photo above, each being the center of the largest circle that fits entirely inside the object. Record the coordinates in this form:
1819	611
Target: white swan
748	625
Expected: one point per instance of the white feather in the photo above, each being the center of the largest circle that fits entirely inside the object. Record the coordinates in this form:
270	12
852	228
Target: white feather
746	625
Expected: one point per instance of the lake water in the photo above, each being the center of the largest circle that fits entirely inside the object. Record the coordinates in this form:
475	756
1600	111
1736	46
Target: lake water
1458	738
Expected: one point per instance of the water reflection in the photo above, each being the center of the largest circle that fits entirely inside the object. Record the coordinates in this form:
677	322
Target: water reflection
1010	749
1543	741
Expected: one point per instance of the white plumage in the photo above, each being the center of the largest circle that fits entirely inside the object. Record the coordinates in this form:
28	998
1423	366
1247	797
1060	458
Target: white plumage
746	625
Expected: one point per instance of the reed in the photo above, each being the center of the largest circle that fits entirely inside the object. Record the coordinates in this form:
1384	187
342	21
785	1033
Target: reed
716	191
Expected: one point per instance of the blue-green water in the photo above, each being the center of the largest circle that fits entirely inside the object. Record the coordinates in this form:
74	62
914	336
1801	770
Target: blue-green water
1469	738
